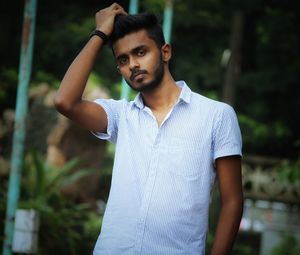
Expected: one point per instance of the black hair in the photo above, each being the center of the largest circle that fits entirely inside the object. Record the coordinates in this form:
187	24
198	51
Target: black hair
125	25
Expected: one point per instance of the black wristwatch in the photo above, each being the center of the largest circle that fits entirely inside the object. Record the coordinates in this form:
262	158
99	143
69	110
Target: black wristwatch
99	33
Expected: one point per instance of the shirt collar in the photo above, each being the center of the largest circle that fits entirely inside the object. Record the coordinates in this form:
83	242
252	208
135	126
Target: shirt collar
185	95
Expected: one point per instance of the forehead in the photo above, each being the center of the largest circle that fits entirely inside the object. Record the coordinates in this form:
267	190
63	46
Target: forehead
131	41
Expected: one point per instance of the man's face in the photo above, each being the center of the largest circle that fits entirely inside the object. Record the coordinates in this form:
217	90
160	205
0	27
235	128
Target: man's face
139	61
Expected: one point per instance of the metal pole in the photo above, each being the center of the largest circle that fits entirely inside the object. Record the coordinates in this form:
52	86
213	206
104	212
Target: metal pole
133	6
168	17
133	9
20	122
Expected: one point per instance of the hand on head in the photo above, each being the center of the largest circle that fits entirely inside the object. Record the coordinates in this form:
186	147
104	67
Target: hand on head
105	18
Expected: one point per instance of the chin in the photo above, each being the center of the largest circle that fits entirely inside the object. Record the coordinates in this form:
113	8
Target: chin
138	86
144	87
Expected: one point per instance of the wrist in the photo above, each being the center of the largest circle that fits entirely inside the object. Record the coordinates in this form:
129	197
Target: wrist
100	34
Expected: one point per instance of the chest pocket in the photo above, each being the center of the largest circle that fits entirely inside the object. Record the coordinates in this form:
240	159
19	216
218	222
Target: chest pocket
187	157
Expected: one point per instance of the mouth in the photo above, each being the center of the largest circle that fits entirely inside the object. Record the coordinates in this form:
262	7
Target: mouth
137	75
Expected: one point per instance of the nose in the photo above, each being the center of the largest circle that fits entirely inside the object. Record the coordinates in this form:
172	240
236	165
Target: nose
133	63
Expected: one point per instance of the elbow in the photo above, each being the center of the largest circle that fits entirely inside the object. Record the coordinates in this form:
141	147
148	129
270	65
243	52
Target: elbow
61	104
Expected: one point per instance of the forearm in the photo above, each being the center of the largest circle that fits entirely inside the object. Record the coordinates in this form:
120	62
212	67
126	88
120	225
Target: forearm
75	79
68	97
227	228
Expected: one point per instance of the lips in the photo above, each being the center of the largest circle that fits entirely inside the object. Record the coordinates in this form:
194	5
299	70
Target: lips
135	75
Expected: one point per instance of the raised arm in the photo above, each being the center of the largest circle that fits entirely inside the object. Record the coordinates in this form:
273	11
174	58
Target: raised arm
230	186
68	99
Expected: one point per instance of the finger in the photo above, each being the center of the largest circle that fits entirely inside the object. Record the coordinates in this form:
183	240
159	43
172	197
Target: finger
124	13
115	6
121	11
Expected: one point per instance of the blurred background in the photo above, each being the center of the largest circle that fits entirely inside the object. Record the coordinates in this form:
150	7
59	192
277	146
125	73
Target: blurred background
245	53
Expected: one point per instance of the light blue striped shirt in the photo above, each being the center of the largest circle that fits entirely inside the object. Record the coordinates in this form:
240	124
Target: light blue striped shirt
163	176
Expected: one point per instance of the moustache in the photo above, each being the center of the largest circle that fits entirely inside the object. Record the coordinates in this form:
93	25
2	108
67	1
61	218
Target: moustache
136	72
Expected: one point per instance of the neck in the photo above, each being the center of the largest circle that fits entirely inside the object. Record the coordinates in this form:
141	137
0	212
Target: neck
163	96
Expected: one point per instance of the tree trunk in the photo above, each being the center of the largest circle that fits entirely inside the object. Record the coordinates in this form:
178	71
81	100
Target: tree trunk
234	64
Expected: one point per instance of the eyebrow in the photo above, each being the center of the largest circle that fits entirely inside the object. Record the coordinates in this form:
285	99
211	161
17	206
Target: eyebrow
134	50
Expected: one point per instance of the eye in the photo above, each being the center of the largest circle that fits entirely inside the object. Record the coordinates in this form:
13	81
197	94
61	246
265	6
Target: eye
122	61
141	52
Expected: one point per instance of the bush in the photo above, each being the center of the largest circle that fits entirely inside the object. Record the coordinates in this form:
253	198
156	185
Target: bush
62	221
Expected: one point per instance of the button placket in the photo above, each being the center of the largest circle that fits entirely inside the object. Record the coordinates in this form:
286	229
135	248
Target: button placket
147	195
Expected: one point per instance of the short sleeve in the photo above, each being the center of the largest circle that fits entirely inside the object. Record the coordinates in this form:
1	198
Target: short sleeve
113	110
227	139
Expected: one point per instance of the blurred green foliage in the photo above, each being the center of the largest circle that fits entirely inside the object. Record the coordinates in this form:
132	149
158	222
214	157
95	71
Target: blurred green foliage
43	182
289	171
59	216
267	92
287	246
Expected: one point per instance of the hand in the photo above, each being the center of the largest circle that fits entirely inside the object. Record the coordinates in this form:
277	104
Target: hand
105	18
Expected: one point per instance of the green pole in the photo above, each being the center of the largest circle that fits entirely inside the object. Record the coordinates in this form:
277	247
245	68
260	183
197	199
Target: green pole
168	17
20	122
133	6
125	90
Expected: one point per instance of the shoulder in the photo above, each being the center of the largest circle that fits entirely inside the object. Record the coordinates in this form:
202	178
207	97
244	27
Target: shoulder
112	102
209	105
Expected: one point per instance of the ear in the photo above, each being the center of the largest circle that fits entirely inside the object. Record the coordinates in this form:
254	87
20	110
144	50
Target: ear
166	51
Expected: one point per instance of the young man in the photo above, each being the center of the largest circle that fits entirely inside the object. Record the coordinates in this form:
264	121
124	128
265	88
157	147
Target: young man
170	144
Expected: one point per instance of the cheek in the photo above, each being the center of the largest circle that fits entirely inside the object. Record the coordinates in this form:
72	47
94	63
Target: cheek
125	72
151	63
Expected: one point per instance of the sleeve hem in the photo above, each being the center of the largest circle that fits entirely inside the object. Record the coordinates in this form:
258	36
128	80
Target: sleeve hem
227	153
108	134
